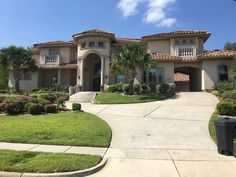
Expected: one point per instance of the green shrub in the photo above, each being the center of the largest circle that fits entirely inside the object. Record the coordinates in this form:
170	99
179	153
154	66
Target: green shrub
137	89
171	91
225	86
144	89
27	105
35	109
216	93
119	87
61	101
51	108
50	97
125	88
44	102
163	88
227	107
152	88
76	107
111	89
13	108
229	94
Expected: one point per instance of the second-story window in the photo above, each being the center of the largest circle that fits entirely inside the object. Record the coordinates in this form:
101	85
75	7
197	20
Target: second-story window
54	52
101	44
83	45
184	41
91	44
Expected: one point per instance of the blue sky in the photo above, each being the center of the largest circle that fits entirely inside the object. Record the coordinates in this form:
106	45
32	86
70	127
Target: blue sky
25	22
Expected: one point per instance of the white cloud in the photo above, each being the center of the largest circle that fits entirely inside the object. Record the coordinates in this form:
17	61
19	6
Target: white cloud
156	12
128	7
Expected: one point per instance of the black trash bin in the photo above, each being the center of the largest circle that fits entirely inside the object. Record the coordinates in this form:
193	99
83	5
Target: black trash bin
225	130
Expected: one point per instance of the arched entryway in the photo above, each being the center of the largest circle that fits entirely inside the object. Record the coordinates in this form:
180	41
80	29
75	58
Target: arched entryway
92	73
188	79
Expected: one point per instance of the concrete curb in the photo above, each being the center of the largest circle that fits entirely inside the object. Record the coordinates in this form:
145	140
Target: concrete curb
80	173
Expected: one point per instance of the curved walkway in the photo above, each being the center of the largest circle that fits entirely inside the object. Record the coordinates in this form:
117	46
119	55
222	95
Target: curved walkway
163	139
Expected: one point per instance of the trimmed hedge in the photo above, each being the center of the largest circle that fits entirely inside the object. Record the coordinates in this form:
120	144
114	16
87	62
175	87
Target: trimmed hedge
51	108
35	109
225	86
227	107
76	107
229	94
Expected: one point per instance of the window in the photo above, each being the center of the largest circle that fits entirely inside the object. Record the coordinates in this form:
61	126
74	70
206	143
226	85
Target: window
160	75
101	44
223	73
97	69
25	76
120	78
184	41
91	44
54	79
83	45
152	76
54	52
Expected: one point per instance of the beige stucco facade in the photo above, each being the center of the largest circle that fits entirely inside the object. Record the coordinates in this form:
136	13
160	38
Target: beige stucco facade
85	61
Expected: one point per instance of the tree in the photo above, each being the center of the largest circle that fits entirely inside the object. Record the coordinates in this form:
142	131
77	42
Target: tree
128	58
232	72
230	46
17	60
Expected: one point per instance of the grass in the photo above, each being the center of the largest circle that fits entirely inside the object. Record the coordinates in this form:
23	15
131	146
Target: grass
70	128
37	162
117	98
212	129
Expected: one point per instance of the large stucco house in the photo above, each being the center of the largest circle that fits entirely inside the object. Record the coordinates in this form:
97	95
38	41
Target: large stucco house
85	61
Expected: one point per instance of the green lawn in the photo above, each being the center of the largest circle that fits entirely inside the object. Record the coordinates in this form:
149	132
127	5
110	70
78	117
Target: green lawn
36	162
117	98
70	128
212	129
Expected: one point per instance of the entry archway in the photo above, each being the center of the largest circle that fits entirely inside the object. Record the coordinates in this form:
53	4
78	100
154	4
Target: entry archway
188	79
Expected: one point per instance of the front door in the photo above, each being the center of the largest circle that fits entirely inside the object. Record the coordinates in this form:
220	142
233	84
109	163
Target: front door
96	84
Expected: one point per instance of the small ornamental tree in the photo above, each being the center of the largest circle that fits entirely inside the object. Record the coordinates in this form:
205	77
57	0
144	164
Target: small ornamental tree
17	60
128	58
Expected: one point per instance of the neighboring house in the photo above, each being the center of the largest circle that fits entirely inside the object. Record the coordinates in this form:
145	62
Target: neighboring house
85	61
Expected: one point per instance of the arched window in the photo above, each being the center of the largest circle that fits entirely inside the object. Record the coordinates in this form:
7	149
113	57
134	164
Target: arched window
223	73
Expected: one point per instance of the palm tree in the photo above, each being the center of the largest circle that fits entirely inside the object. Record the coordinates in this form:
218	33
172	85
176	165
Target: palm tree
128	58
17	60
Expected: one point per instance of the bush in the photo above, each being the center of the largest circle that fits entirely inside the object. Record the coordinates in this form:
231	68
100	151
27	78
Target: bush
119	87
227	107
225	86
27	105
152	88
35	109
61	101
51	108
13	108
136	89
111	89
125	88
216	93
144	89
163	88
229	94
76	107
51	97
171	91
44	102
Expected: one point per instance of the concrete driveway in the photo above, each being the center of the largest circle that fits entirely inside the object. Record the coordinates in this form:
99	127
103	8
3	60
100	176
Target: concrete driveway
163	139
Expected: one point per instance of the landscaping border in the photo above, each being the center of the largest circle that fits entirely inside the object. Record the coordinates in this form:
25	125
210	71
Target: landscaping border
80	173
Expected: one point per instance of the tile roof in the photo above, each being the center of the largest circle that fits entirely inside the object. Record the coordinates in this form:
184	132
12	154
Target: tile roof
94	31
181	33
61	66
217	53
127	40
56	43
180	77
165	57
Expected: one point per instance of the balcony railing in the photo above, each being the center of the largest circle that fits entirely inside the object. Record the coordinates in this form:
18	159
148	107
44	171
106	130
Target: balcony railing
52	60
185	51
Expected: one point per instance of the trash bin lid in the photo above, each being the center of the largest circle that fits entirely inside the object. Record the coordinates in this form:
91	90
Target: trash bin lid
225	122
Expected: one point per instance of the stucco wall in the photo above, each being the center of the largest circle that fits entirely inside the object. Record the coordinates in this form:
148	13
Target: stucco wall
25	84
161	46
168	71
210	72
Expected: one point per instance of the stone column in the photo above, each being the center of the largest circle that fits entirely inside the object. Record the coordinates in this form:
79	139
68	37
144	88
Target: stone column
59	76
102	71
81	72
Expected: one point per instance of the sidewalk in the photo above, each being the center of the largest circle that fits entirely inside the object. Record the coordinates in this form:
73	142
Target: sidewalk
53	148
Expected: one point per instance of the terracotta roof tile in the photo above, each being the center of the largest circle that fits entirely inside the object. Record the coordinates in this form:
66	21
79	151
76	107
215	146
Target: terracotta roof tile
56	43
217	53
180	77
127	40
165	57
181	33
94	31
